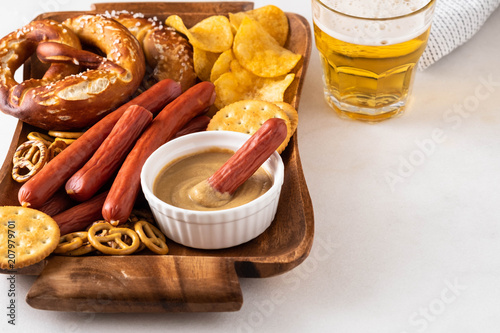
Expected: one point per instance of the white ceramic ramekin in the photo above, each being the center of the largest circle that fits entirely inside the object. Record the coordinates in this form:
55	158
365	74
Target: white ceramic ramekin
211	229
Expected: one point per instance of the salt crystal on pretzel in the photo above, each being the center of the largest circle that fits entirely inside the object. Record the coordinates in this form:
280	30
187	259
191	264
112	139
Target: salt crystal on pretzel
167	52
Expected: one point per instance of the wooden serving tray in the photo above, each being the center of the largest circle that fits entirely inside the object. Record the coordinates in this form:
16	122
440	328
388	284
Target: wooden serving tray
186	279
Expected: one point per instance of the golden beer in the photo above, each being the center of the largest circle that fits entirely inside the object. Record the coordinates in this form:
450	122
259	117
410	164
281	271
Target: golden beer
370	76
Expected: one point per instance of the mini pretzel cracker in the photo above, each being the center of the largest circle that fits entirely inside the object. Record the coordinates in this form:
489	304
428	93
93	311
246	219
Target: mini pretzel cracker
82	250
151	236
74	244
66	141
47	140
31	155
126	239
26	236
71	242
113	234
247	116
56	147
65	135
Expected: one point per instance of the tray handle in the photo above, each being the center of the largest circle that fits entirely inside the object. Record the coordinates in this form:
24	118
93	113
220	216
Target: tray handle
137	284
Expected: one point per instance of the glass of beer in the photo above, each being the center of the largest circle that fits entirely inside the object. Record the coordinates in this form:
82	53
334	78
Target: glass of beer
369	51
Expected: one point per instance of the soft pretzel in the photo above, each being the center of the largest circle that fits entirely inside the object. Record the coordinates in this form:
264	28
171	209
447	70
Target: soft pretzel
168	54
15	48
60	100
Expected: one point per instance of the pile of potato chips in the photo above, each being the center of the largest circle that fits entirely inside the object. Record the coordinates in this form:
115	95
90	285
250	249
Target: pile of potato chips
243	55
245	58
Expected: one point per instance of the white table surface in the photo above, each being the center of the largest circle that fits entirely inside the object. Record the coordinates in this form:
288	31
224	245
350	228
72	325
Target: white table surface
407	213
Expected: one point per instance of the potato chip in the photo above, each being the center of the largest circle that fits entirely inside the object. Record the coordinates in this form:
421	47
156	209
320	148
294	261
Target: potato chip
175	21
222	65
240	84
247	116
260	53
272	19
212	34
203	63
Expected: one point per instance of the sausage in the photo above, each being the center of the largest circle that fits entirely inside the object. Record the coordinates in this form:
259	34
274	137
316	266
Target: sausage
197	124
255	151
44	184
79	217
108	157
168	122
57	203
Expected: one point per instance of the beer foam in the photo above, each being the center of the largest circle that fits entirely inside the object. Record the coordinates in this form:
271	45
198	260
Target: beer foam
389	24
376	8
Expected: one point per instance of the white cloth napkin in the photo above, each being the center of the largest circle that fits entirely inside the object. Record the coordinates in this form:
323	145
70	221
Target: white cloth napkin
454	23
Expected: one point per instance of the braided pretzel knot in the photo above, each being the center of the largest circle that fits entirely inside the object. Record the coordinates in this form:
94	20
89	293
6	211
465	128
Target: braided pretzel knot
62	101
168	54
31	155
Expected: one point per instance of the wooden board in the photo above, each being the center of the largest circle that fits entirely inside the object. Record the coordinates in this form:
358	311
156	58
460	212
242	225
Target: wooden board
186	279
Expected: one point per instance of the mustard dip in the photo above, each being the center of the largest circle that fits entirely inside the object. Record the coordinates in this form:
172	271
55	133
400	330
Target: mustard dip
175	182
